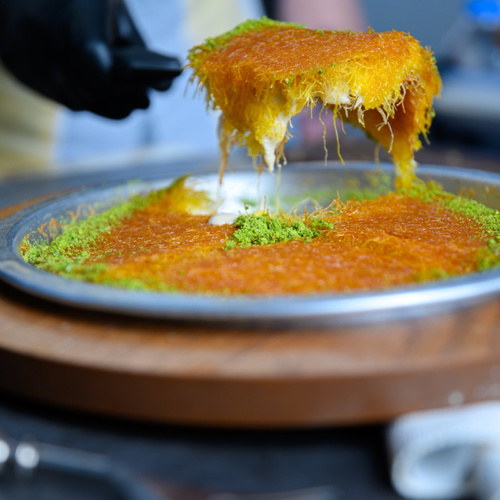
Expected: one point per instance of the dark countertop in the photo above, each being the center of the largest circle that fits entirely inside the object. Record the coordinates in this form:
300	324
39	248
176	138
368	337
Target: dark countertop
350	460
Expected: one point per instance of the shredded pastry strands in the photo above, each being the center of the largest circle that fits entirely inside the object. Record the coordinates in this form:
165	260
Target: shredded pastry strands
159	243
264	72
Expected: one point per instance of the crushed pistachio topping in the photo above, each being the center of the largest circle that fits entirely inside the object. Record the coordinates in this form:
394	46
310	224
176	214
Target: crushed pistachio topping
264	229
486	217
86	250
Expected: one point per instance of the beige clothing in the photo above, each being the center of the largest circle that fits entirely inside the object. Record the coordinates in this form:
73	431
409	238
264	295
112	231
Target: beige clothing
27	124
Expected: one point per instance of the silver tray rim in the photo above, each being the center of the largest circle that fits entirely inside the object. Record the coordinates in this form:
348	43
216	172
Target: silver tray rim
289	310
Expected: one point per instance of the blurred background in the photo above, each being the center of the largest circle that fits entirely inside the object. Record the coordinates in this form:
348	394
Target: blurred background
465	37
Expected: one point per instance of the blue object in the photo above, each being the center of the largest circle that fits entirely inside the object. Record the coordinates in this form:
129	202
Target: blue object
486	12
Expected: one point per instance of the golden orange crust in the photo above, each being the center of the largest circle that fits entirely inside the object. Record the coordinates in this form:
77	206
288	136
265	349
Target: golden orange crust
265	72
392	241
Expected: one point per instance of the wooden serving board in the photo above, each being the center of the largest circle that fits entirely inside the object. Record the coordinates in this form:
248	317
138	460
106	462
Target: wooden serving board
209	375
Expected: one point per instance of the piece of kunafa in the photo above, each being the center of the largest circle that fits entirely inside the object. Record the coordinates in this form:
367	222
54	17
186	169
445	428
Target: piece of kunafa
264	72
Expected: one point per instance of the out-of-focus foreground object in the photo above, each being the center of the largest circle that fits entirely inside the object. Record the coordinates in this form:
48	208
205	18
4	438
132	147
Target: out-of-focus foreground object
83	54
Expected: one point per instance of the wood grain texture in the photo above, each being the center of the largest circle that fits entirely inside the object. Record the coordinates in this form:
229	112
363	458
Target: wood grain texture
204	374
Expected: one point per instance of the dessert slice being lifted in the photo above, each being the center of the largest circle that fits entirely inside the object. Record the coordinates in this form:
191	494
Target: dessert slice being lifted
264	72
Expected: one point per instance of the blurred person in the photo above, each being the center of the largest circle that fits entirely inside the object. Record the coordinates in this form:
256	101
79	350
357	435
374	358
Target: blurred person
323	14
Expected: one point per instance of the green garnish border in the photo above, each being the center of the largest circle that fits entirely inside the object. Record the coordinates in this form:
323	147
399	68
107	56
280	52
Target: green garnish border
487	218
214	43
67	253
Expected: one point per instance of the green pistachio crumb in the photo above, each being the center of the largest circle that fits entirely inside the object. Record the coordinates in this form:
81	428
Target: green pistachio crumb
264	229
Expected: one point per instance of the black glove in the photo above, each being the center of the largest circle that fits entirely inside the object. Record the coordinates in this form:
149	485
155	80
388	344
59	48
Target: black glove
84	54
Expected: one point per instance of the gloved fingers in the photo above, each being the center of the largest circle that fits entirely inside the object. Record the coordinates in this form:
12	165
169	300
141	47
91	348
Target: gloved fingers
132	61
142	67
106	105
89	21
98	96
65	49
135	69
121	72
107	101
118	109
88	38
132	69
123	29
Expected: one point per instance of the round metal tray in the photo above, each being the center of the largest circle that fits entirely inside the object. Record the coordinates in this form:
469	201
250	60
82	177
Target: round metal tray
298	183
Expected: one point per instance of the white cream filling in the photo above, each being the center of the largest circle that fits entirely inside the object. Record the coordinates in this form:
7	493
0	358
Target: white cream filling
269	143
343	96
222	218
337	98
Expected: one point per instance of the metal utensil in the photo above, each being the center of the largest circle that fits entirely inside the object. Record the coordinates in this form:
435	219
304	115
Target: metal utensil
27	457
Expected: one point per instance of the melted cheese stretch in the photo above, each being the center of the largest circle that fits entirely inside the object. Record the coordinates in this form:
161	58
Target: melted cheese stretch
264	72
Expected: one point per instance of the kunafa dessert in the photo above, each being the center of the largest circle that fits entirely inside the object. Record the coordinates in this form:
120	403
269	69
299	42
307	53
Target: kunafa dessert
161	243
264	72
259	76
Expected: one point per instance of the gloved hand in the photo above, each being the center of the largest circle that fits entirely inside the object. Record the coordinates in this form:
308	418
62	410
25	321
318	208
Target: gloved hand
84	54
